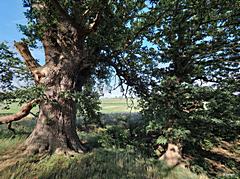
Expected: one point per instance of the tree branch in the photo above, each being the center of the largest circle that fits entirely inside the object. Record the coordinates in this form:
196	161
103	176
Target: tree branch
92	26
25	110
63	13
9	126
26	54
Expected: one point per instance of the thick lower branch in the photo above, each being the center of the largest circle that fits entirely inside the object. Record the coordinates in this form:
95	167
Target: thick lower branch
25	110
26	54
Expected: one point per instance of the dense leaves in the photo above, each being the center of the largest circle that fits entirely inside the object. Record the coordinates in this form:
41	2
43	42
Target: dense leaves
195	91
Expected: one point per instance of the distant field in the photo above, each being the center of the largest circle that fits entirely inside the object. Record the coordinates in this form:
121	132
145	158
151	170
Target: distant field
109	105
13	108
113	105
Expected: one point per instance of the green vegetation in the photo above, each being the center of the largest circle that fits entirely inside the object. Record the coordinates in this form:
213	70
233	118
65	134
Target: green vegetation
118	142
95	165
116	105
179	58
108	105
8	143
101	162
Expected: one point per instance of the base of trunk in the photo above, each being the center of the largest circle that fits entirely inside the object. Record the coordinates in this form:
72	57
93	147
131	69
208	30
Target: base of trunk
46	138
172	156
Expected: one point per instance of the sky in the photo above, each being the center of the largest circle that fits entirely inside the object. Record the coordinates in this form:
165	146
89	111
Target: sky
11	14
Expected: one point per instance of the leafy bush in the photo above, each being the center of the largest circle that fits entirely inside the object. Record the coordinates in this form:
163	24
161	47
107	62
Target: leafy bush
88	107
202	115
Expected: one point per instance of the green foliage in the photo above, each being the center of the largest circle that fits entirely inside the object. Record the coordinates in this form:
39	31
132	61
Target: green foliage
88	106
20	96
196	114
193	91
197	117
11	68
116	137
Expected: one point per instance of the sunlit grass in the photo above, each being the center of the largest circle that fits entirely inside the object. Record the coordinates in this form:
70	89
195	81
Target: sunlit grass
99	164
113	105
109	105
10	143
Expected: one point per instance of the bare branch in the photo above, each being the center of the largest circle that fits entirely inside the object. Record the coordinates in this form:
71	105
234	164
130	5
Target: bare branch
25	110
94	23
9	126
26	54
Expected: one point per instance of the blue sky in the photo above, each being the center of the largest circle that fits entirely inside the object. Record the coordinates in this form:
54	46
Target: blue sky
11	14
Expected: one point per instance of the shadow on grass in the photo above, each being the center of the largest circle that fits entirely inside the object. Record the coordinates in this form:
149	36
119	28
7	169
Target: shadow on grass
213	163
101	163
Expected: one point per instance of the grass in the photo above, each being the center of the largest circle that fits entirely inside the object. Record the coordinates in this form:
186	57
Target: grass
109	105
116	105
8	143
106	162
100	163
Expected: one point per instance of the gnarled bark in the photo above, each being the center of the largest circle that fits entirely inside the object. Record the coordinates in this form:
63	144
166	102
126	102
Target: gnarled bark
55	130
172	156
64	72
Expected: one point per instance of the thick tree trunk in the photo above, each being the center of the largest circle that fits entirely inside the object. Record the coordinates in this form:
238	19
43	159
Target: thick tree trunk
65	71
55	130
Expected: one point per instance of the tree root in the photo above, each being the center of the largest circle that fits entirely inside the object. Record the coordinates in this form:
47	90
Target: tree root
22	152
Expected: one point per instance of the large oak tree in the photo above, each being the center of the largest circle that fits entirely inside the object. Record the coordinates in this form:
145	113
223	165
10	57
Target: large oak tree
82	39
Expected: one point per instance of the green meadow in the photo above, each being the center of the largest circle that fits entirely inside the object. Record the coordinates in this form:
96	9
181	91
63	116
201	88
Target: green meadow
116	105
108	105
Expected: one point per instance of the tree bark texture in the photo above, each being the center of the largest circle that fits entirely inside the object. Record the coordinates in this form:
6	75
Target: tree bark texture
61	76
55	130
67	66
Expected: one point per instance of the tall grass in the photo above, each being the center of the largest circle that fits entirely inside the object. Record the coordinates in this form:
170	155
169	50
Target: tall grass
10	143
99	164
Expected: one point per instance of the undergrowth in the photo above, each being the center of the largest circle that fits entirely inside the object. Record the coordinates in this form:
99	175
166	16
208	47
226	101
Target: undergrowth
117	152
100	163
7	144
